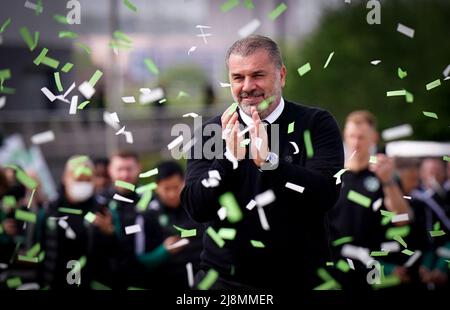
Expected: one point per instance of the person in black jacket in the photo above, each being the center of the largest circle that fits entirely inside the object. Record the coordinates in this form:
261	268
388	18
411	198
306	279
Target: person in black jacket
274	198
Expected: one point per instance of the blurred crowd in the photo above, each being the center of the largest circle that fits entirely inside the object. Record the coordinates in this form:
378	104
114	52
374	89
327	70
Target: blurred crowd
106	230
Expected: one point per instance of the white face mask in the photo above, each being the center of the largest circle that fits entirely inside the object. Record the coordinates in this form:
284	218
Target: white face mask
81	191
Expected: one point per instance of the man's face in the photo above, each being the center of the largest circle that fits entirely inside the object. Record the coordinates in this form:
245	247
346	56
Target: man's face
255	78
124	169
169	190
432	170
359	138
101	177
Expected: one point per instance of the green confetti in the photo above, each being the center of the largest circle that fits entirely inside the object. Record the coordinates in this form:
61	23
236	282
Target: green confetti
378	253
38	9
9	201
329	285
41	256
121	36
407	252
70	211
324	275
342	240
78	160
342	266
277	12
28	259
400	240
58	82
437	233
373	159
291	127
249	4
234	213
90	217
244	142
5	74
5	25
34	250
149	173
304	69
392	93
433	84
27	181
401	231
227	6
217	239
26	36
67	67
83	46
328	60
14	282
145	200
359	198
151	66
134	288
125	185
446	158
60	19
1	229
68	34
25	216
257	244
130	6
209	279
308	144
401	74
95	77
330	264
83	105
227	233
430	114
42	58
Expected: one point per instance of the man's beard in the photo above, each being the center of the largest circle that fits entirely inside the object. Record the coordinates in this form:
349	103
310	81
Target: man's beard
246	107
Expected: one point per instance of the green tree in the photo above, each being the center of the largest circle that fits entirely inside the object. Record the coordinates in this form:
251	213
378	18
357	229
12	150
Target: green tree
350	82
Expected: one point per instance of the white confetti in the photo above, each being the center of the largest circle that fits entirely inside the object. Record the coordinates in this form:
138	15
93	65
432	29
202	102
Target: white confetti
350	264
193	115
446	71
70	234
111	119
129	99
249	28
251	204
132	229
258	143
356	252
390	246
145	90
179	243
404	217
128	137
43	137
409	32
375	62
397	132
412	259
407	197
86	90
190	274
295	187
265	198
33	6
243	132
232	159
338	175
225	84
214	174
121	198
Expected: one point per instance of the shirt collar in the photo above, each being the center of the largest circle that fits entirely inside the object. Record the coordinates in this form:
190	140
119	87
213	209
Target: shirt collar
272	117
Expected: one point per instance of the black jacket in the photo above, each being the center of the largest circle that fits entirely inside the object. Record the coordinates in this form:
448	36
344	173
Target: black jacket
297	243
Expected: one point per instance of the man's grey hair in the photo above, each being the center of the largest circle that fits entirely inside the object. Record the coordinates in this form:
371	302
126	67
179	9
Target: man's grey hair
250	44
